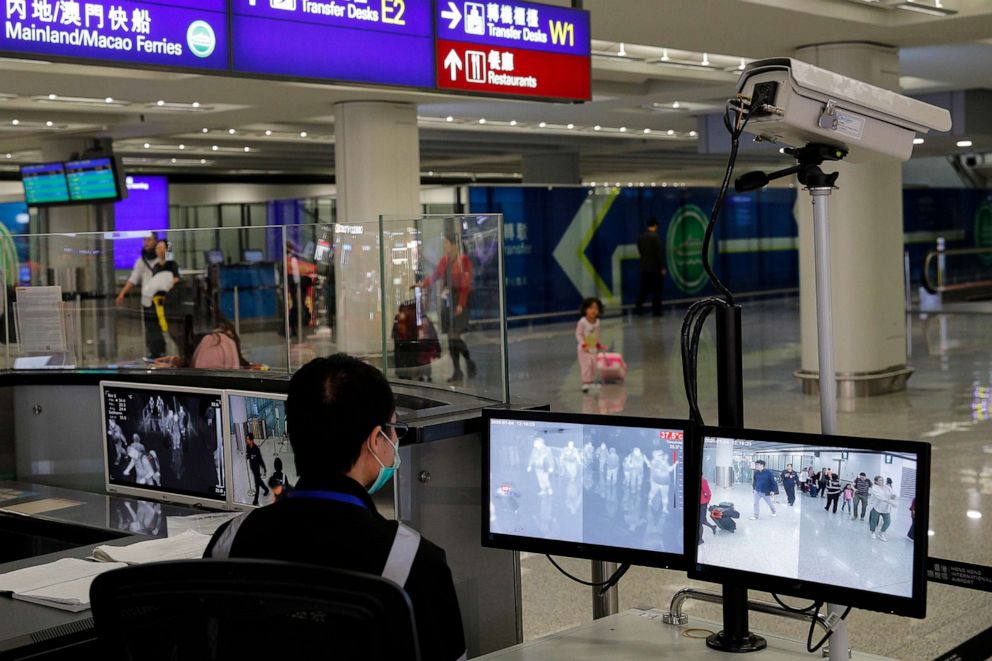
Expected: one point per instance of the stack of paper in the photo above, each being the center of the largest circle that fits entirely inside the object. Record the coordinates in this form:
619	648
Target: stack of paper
189	545
61	584
206	524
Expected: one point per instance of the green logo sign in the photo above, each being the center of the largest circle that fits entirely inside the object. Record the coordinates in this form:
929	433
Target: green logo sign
201	39
983	230
685	248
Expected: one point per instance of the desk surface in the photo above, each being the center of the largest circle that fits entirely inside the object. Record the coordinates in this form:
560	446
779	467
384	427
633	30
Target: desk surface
640	634
24	624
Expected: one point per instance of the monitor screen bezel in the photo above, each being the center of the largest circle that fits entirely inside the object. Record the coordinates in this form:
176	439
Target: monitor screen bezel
162	494
229	441
914	606
657	559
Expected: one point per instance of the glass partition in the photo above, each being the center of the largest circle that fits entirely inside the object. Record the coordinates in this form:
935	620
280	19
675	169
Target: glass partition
443	303
421	298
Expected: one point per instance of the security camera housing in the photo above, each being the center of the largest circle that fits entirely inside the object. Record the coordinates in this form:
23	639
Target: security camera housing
795	103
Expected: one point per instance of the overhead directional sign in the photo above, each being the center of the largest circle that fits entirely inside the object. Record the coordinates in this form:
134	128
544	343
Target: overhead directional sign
387	42
512	48
188	34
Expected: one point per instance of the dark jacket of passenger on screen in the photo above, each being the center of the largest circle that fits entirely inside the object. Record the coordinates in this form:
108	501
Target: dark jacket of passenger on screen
764	482
651	252
347	536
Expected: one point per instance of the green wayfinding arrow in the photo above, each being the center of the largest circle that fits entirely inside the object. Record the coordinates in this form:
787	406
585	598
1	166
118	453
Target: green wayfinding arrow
570	253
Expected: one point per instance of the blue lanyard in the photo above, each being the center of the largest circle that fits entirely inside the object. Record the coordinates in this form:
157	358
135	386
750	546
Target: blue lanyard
330	495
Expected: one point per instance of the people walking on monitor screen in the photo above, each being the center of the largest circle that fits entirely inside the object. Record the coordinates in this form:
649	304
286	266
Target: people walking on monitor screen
662	476
144	464
612	468
862	493
789	480
253	455
633	470
542	464
883	501
764	486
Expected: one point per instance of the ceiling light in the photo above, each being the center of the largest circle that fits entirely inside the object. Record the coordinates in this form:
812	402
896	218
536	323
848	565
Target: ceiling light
930	533
109	99
195	104
543	124
203	161
742	65
974	514
52	97
671	132
206	130
918	141
513	122
231	131
10	156
303	134
676	105
160	103
15	122
247	149
623	129
570	126
173	160
215	147
647	131
268	132
692	134
49	124
622	52
922	7
964	143
146	145
430	173
630	183
79	100
181	147
449	118
597	128
664	55
653	184
706	60
482	120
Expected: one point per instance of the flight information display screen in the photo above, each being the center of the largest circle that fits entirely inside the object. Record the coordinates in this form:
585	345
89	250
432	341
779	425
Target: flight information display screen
92	180
45	183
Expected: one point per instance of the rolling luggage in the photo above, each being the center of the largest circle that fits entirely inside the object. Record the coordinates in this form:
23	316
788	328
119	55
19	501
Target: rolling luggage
415	342
611	367
723	515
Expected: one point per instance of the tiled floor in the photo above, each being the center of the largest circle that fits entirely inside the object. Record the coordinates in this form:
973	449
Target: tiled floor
947	403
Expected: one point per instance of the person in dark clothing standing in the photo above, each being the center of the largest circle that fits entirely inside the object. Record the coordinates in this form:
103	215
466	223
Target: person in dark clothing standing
833	488
821	480
764	485
789	478
862	490
253	454
652	255
341	421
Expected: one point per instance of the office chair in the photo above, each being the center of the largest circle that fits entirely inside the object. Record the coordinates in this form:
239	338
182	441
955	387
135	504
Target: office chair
215	610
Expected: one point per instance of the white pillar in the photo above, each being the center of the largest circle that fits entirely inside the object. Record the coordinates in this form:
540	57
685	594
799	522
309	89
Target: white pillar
377	169
866	245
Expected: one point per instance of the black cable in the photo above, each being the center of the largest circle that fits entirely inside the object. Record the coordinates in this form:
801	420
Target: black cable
607	584
812	627
615	579
793	609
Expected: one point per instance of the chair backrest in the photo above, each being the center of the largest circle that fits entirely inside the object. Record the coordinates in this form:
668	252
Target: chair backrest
239	609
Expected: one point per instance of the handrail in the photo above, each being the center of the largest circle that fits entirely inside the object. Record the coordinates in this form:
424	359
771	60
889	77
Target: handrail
675	615
940	287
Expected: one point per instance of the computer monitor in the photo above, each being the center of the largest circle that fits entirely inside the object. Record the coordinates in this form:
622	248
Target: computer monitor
214	257
164	442
587	486
264	468
94	180
253	256
862	555
45	184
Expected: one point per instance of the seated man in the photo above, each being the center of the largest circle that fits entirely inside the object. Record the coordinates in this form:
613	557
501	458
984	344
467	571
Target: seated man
340	417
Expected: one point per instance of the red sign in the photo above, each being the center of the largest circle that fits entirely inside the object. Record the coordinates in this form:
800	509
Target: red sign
497	70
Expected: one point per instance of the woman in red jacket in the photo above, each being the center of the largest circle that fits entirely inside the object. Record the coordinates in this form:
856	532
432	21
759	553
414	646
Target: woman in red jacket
454	271
704	500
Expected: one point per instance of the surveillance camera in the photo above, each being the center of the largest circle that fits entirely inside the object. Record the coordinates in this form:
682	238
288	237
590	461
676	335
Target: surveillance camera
796	103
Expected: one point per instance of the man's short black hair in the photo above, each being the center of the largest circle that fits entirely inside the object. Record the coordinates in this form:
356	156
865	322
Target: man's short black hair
249	436
759	461
652	222
334	403
862	474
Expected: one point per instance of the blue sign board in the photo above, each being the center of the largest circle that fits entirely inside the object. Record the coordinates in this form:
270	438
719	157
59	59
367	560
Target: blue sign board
190	34
388	42
146	207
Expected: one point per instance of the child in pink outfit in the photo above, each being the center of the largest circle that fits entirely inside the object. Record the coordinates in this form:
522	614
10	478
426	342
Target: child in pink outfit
587	335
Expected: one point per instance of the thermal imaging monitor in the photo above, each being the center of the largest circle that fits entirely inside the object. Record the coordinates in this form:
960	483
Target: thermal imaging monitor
263	467
164	442
836	519
600	487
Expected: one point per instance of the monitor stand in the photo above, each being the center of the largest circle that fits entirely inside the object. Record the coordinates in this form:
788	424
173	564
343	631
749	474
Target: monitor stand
735	636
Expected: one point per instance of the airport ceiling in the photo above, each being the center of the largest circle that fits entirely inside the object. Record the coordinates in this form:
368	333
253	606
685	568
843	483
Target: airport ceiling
650	86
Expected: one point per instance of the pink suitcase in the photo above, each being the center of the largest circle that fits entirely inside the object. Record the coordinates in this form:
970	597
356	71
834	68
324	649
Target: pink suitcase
611	367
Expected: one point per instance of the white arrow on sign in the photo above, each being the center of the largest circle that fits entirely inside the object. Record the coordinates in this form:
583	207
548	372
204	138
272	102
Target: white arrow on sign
453	62
453	15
